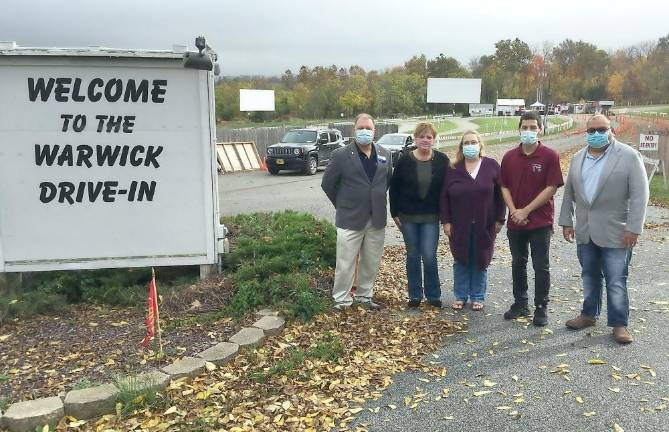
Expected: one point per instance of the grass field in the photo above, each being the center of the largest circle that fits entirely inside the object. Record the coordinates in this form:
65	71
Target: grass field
658	194
443	126
496	124
646	108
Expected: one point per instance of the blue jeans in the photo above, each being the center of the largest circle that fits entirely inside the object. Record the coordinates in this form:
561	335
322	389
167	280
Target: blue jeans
469	281
421	244
600	264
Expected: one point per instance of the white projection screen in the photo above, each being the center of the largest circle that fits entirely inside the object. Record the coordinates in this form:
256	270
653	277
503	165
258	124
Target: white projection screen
256	100
454	90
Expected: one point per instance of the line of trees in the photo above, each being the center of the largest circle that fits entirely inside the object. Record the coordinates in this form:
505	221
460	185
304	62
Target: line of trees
568	72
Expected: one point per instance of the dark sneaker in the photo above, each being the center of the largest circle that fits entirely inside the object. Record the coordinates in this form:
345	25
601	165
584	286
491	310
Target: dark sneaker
540	318
435	303
516	311
413	303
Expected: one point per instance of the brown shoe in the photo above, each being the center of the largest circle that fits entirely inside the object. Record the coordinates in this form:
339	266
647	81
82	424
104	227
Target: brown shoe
580	322
621	335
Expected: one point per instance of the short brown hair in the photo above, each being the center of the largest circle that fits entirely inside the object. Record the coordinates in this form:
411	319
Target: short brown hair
362	116
530	115
421	128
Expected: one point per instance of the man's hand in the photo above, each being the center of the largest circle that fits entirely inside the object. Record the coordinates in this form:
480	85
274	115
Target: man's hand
498	227
568	233
520	215
448	228
397	222
629	239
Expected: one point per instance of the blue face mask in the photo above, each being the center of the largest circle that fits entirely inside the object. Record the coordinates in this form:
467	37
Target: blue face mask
597	140
528	137
364	136
471	151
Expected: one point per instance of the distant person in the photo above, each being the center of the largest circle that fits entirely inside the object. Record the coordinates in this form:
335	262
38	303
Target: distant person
472	211
414	205
608	189
530	177
356	181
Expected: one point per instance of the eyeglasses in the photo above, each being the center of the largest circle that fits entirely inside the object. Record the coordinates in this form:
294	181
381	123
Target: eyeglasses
599	129
469	142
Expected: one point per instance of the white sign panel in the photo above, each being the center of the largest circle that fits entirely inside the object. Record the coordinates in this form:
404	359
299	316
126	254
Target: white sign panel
256	100
453	90
104	164
648	142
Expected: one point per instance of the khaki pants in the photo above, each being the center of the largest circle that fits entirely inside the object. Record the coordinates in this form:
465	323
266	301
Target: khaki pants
368	242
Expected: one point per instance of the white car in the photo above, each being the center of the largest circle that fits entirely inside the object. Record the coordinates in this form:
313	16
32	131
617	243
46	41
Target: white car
396	144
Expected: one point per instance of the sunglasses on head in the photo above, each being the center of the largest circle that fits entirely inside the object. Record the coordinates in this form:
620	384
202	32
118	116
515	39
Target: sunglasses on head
599	129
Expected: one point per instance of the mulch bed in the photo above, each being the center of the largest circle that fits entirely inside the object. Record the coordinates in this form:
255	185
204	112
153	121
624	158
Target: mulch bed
45	355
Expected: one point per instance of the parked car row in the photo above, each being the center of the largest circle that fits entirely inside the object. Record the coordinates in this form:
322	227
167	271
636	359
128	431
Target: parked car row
308	149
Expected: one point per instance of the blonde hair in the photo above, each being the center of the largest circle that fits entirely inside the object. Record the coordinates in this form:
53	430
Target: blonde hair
421	128
459	156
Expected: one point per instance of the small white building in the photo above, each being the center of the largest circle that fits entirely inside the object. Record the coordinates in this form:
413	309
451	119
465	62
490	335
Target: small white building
509	107
481	110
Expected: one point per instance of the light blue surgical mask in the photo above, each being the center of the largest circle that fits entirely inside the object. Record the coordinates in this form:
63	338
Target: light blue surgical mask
471	151
364	136
528	137
597	140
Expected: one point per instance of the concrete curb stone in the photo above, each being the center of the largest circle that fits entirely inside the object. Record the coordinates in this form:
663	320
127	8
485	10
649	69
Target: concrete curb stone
270	325
91	402
220	353
248	337
28	415
185	367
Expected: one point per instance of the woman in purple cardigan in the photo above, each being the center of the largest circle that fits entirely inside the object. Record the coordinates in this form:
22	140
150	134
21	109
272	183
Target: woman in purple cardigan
472	213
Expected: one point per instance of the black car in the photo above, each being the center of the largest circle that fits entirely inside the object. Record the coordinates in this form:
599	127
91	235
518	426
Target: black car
396	144
304	150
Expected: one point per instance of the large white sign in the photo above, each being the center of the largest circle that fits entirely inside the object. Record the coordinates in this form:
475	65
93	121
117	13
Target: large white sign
648	142
105	163
453	90
256	100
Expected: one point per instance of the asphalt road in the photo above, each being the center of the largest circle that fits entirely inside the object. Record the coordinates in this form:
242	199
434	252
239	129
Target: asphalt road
538	379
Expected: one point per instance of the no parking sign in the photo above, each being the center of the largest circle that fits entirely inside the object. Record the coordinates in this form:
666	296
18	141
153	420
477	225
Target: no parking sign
648	142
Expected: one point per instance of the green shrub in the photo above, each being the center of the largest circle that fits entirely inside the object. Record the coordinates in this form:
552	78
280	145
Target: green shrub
29	304
275	259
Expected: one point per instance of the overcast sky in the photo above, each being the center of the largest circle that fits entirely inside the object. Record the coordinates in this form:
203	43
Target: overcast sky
267	37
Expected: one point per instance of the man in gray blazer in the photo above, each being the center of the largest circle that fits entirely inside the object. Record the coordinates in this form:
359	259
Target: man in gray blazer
356	181
608	187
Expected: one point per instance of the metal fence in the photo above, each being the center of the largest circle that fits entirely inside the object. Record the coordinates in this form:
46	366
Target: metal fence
264	137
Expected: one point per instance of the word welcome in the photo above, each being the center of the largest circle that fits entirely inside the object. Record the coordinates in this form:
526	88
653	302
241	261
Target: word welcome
112	90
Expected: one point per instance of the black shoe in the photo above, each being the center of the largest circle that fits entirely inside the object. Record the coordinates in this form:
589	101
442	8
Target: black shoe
413	303
435	303
540	316
516	311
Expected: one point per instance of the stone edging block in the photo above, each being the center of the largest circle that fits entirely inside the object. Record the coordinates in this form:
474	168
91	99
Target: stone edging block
91	402
185	367
28	415
271	325
100	400
248	337
220	353
145	381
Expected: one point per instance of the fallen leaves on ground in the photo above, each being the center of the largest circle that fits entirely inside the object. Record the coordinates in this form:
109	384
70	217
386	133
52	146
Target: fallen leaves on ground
314	394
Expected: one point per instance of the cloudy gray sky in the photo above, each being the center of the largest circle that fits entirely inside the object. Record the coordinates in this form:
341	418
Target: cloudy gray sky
267	37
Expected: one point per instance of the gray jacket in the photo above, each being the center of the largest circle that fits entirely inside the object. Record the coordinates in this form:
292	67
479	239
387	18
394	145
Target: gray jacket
355	198
618	204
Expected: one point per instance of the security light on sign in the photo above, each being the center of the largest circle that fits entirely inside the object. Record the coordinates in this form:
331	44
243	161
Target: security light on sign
256	100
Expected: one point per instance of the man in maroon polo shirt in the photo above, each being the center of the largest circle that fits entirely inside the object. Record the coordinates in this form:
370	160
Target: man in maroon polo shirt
530	176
